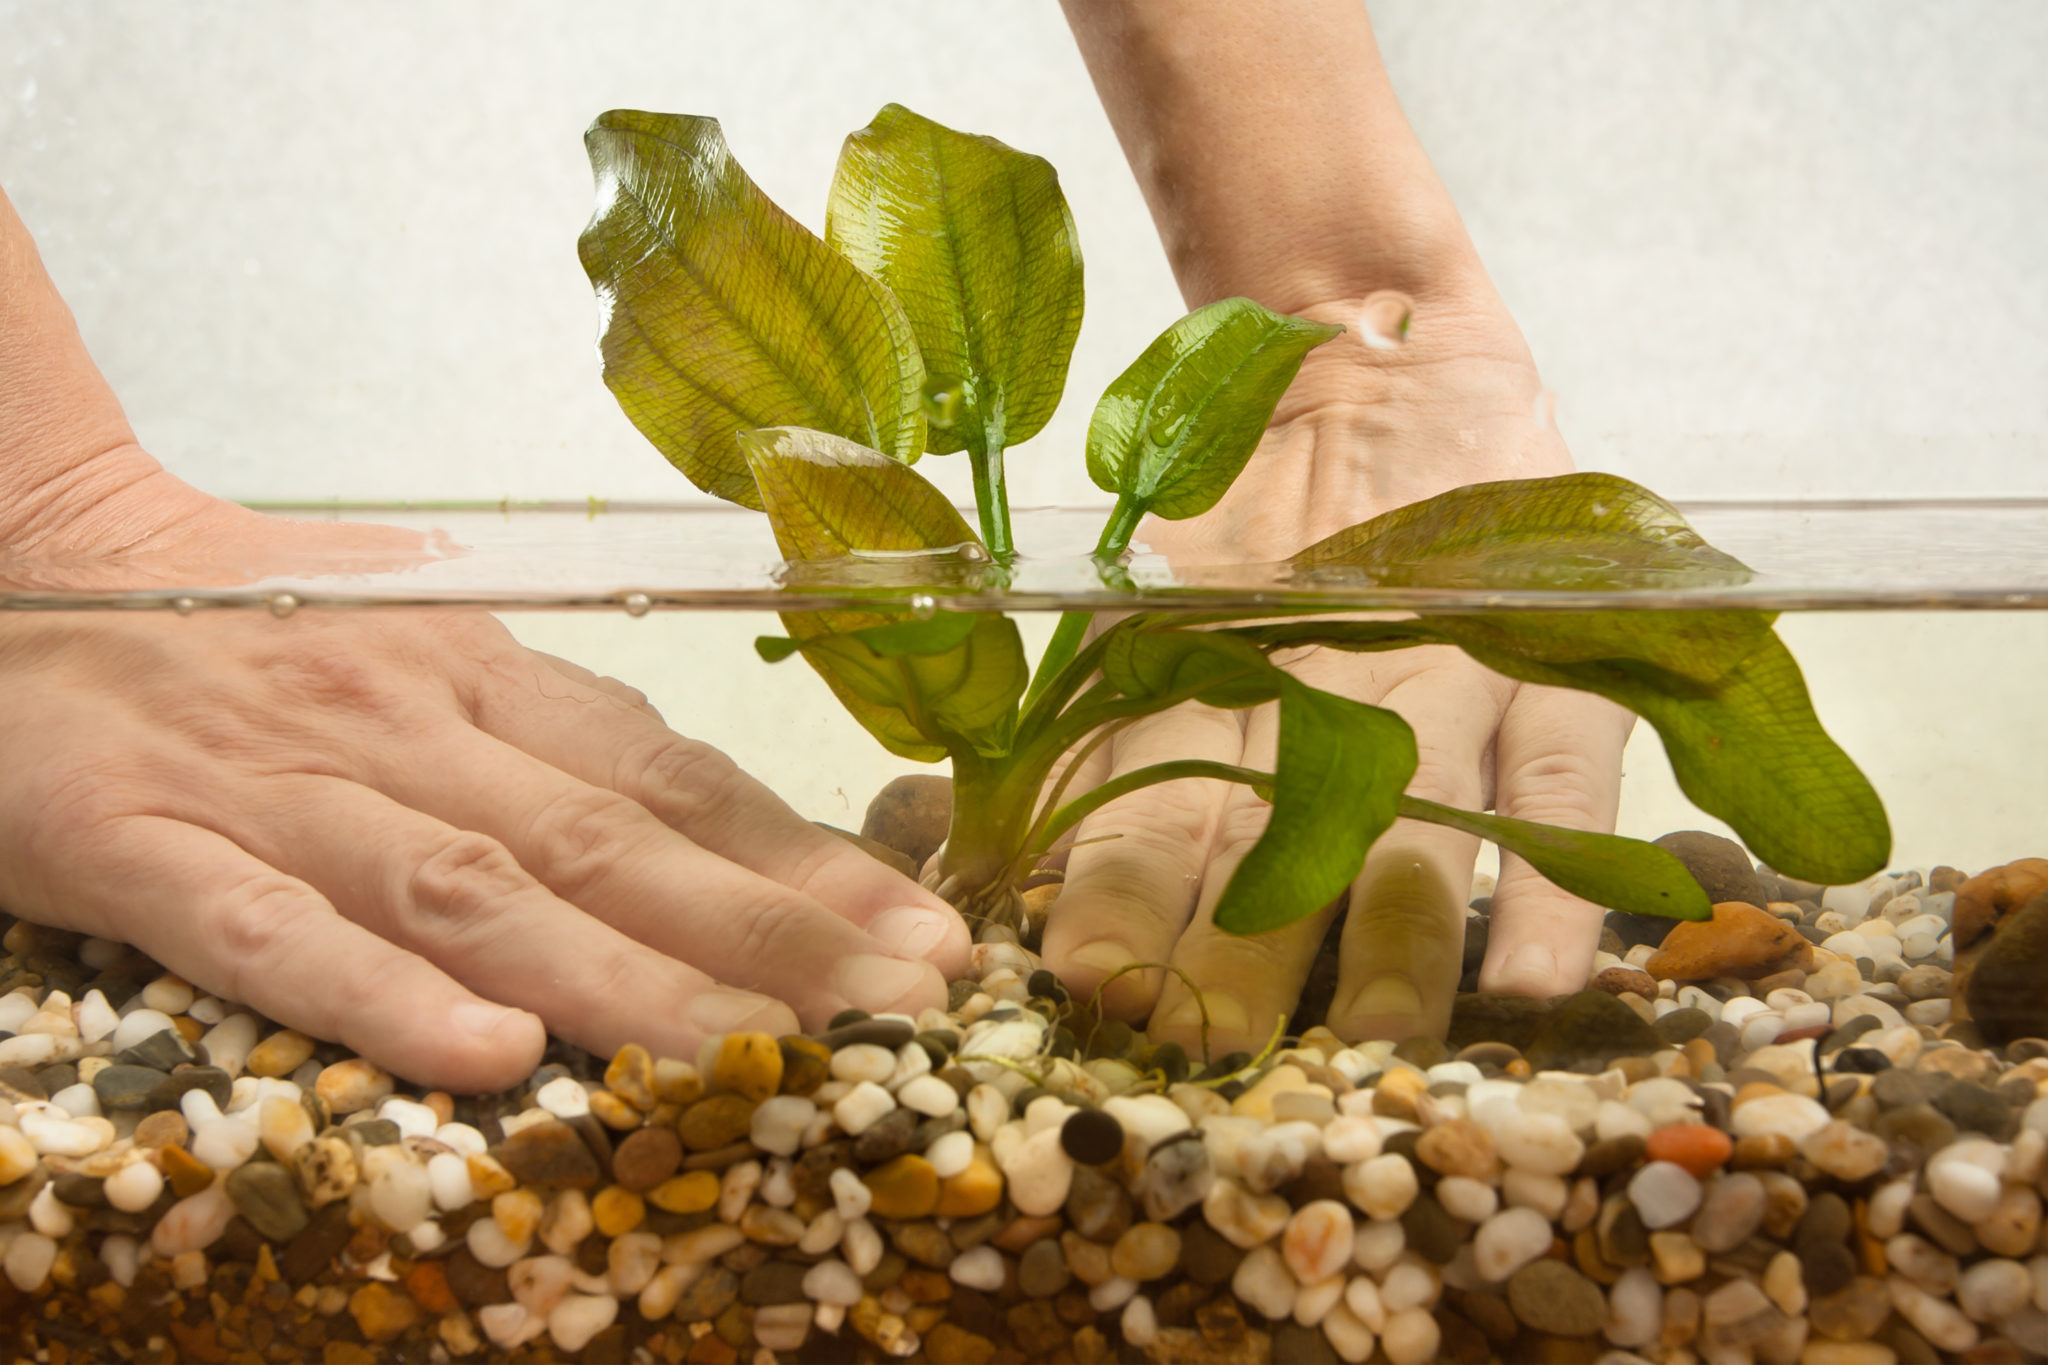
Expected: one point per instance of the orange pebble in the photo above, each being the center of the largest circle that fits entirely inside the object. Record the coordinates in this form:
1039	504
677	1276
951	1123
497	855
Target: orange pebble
1695	1146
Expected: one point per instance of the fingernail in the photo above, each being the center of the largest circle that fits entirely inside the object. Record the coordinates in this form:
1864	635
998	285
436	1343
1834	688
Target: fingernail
1105	956
1228	1020
911	930
1387	1007
870	981
482	1020
1531	968
730	1012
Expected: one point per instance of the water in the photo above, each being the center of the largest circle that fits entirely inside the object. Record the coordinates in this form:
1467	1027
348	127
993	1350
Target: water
1918	626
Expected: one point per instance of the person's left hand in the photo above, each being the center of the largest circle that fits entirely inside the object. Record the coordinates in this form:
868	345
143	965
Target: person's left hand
1364	429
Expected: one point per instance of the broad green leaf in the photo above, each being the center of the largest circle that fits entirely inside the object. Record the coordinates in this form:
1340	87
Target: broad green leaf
925	705
1748	748
1170	666
1571	533
976	241
721	313
1176	428
1336	788
827	497
1606	869
922	688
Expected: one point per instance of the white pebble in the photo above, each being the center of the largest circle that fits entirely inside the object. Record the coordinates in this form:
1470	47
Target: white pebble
579	1317
1112	1294
194	1223
413	1118
779	1122
1796	1116
832	1281
1411	1283
1466	1198
1635	1308
1350	1138
401	1195
850	1194
96	1018
1411	1337
859	1062
863	1106
1140	1323
224	1142
1940	1321
862	1246
928	1095
1263	1282
980	1268
1382	1187
564	1097
78	1100
448	1181
228	1043
138	1025
134	1187
1664	1193
1993	1289
951	1154
1039	1174
29	1258
1542	1143
168	994
1508	1241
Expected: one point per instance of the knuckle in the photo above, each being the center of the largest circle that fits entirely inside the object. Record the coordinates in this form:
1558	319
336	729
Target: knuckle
579	837
1242	825
683	780
774	929
258	920
458	883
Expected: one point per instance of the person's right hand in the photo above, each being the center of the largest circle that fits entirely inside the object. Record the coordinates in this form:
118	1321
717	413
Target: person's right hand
407	833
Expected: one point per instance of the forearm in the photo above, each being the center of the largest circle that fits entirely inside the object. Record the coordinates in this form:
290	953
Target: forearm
65	446
1270	147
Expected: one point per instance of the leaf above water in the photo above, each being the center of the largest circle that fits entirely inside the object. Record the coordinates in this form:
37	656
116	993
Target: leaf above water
975	239
722	313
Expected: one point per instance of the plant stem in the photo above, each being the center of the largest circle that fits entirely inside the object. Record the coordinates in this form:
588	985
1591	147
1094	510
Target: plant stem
1081	807
991	498
1073	627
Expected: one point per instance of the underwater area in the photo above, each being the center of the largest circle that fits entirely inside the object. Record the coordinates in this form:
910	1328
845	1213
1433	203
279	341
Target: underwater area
1772	1137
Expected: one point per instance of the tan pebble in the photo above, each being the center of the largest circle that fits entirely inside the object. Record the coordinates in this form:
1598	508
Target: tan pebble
617	1210
716	1121
691	1192
614	1112
905	1188
1021	1232
2011	1228
1459	1147
17	1156
1396	1093
187	1174
749	1064
354	1084
1257	1102
190	1029
1146	1251
974	1191
630	1076
487	1177
382	1313
442	1104
1784	1202
282	1053
1317	1241
677	1082
1785	1284
326	1168
1845	1151
1763	1151
517	1214
1681	1319
771	1226
1088	1260
1676	1257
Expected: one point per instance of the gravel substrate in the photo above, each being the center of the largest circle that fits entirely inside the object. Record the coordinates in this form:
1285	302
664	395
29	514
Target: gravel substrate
1762	1139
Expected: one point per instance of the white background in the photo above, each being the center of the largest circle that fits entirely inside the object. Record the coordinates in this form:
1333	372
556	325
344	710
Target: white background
1760	249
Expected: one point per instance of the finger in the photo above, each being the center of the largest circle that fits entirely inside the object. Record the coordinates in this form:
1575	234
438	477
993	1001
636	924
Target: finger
1244	984
1403	940
1078	771
1560	764
1136	865
237	926
627	694
697	791
461	900
606	854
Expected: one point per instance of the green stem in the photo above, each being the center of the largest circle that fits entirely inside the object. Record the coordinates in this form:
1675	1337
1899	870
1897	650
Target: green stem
991	498
1081	807
1073	627
1123	524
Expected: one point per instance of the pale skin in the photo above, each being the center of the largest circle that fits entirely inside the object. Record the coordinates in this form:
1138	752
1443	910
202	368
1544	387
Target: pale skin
1278	165
410	834
404	831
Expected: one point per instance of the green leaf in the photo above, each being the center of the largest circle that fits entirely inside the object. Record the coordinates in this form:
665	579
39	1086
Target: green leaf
1606	869
925	705
924	688
1170	666
1176	428
721	313
775	648
827	496
1571	533
975	239
1336	788
1748	748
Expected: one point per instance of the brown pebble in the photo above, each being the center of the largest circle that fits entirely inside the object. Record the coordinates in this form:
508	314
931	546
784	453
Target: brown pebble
187	1174
1763	1151
1616	980
165	1128
716	1121
1459	1147
806	1064
904	1188
645	1157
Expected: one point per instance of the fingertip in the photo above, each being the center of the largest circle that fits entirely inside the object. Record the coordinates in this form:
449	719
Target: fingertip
933	932
1523	969
1230	1027
1093	967
1385	1006
484	1048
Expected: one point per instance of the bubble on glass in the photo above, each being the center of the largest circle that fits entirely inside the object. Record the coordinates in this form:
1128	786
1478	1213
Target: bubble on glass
282	604
184	606
923	606
637	603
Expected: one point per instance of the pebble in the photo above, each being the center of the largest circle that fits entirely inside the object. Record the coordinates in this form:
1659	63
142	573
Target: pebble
1550	1296
1664	1194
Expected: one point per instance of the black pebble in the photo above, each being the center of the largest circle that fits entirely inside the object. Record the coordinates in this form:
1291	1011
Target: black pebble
845	1017
1091	1137
1042	983
1866	1060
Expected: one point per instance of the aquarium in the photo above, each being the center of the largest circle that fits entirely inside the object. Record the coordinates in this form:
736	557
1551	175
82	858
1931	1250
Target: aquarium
1789	1153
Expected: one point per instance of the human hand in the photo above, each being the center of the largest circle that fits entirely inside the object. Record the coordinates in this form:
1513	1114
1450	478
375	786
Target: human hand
407	833
1372	423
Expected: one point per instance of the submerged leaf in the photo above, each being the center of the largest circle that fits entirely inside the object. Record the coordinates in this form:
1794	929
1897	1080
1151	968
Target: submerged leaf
722	313
975	239
921	687
1336	788
1574	532
1748	748
1606	869
1176	428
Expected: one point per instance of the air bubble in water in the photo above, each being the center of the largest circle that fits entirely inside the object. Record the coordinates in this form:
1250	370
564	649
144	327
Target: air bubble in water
923	606
184	606
973	552
282	604
637	604
1384	319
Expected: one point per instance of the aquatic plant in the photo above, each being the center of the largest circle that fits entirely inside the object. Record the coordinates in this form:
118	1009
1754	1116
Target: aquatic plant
803	377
